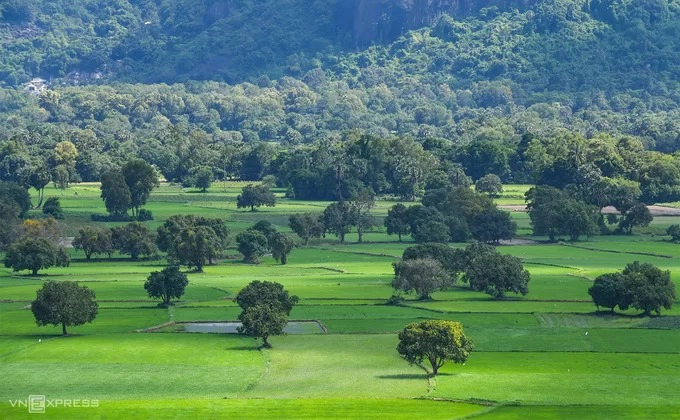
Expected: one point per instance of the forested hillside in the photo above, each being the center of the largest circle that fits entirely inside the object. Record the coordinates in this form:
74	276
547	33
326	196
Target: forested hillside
472	85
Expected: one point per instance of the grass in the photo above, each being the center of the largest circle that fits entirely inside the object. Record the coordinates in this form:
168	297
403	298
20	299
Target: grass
533	358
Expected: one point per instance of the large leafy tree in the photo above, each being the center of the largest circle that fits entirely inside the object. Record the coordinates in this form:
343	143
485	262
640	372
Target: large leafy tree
93	240
496	274
362	202
281	245
637	215
141	179
134	239
262	321
170	236
489	184
436	341
252	244
11	192
255	196
338	219
492	225
606	290
200	177
266	306
647	288
195	246
422	275
451	259
115	193
553	213
169	283
35	254
266	292
306	226
397	222
65	303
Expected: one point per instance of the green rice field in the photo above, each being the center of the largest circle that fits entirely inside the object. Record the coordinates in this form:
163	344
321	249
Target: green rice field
546	355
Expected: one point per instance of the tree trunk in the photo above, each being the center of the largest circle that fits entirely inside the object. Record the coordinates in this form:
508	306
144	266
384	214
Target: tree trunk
63	328
399	234
342	238
361	234
35	271
433	363
284	259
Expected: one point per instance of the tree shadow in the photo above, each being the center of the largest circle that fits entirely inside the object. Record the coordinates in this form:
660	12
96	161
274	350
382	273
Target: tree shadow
405	376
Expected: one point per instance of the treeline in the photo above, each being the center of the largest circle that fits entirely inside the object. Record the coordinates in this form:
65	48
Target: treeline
594	170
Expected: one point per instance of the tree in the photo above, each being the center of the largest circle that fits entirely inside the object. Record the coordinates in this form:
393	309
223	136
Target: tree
134	239
492	225
553	213
166	284
422	275
281	245
141	179
61	177
195	246
255	196
173	237
266	293
451	259
93	240
638	215
436	341
647	288
306	226
265	227
426	224
52	208
9	222
11	192
496	274
337	219
606	290
252	244
674	232
35	254
262	321
396	221
115	193
489	184
40	177
362	202
65	303
431	231
200	177
543	203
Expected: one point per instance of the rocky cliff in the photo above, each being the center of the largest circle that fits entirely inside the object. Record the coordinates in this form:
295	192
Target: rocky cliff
380	21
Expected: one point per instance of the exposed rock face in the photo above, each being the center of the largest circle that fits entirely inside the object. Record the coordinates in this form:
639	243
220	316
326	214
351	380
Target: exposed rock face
380	21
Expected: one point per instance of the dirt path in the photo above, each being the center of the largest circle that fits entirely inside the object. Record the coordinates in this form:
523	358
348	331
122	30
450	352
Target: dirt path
655	210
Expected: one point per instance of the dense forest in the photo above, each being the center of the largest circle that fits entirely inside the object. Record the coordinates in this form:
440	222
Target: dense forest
529	91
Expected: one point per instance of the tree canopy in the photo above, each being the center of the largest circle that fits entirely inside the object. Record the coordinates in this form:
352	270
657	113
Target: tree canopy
435	341
65	303
169	283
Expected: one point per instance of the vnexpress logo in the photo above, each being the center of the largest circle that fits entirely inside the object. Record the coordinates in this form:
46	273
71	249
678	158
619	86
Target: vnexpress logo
38	404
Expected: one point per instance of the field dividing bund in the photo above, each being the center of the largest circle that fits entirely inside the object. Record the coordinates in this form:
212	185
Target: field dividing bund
545	355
